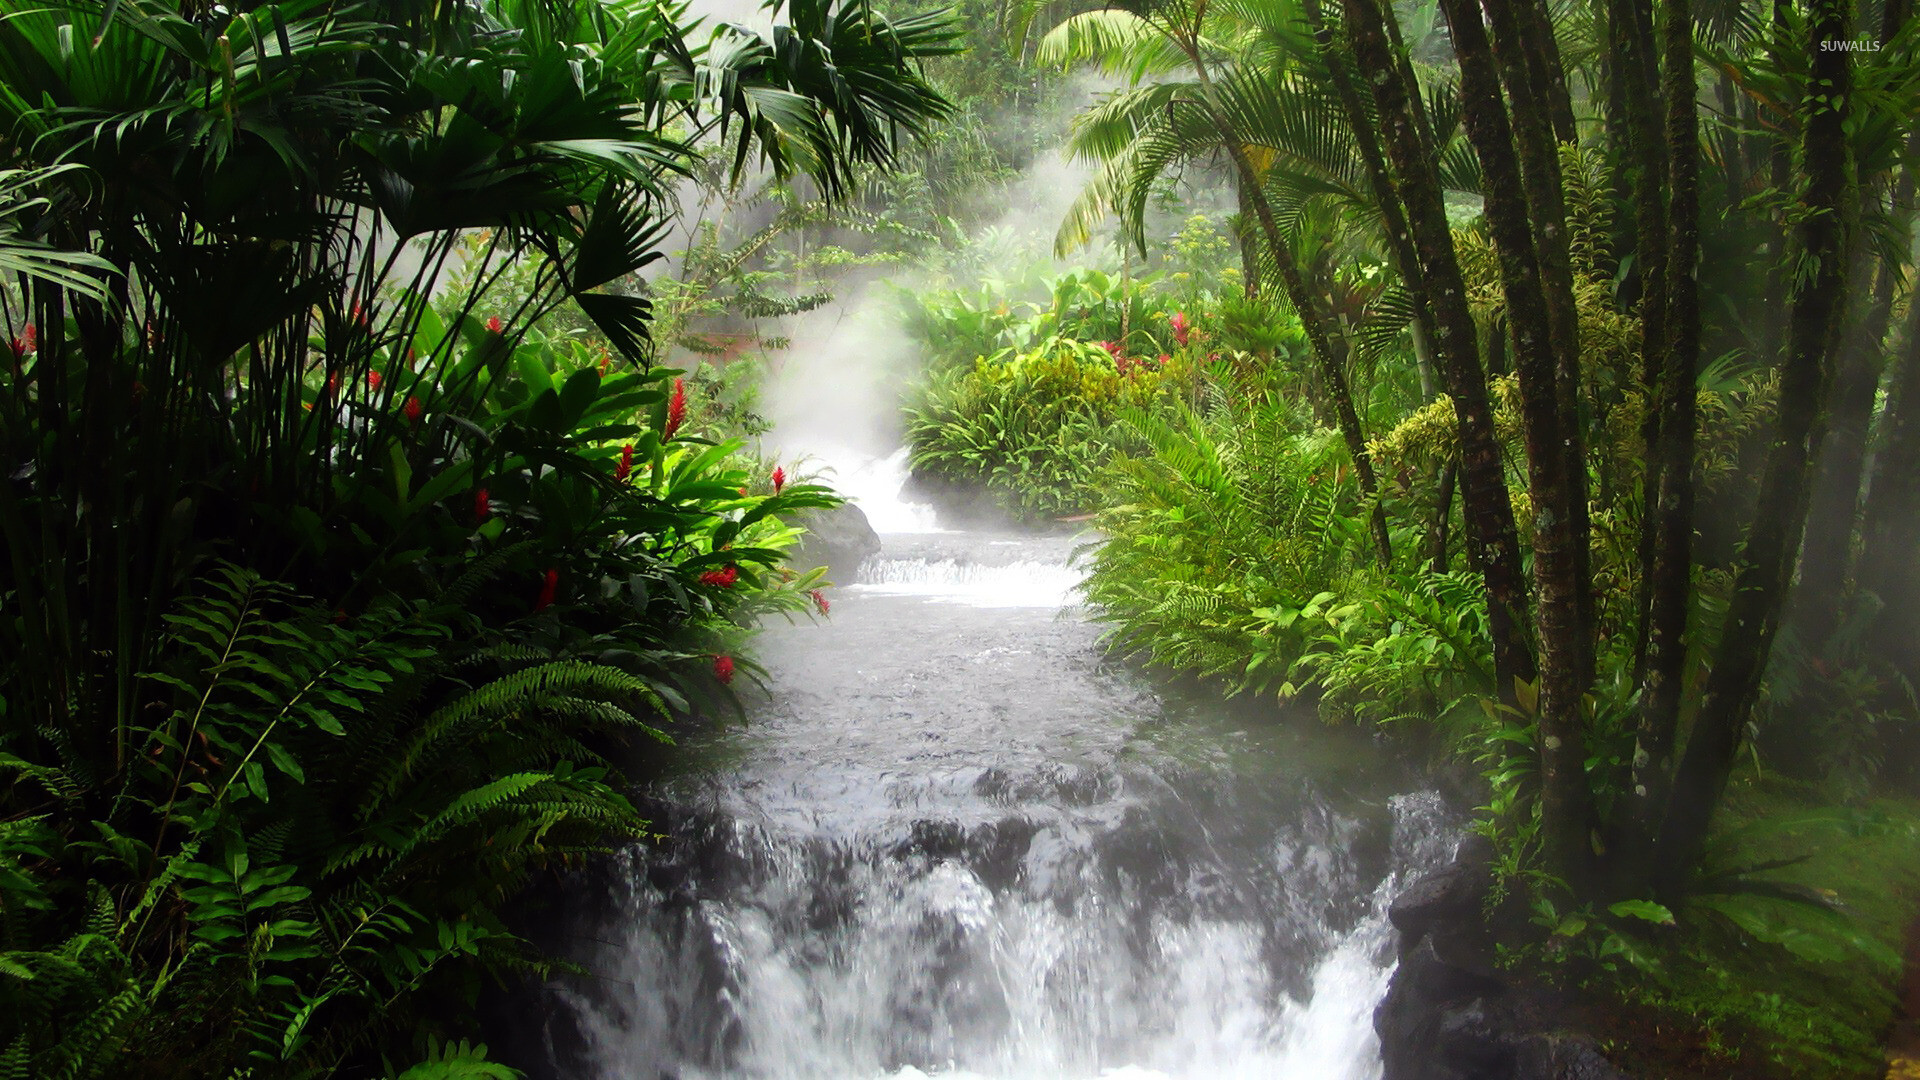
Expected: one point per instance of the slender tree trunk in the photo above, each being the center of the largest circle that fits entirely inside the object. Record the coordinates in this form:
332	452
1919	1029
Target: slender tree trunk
1827	556
1443	518
1536	101
1668	523
1380	182
1312	319
1630	40
1773	312
1890	529
1492	543
1773	542
1834	508
1247	236
1566	803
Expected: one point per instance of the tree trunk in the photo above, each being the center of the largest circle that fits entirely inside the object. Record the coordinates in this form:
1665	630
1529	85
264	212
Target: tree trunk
1566	803
1492	543
1773	542
1827	555
1380	182
1246	234
1668	518
1630	41
1536	102
1890	527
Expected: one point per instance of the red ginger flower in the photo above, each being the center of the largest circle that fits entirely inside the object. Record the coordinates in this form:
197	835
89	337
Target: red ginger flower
676	409
413	409
723	668
1181	328
482	506
820	601
721	578
28	341
333	382
547	588
779	479
494	325
373	379
622	470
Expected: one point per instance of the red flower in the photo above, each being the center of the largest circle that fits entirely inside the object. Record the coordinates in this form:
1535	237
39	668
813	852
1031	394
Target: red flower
1162	359
723	668
1113	348
359	314
723	579
373	379
820	601
605	359
547	587
333	382
494	326
482	506
28	341
413	409
676	409
779	479
625	467
1181	328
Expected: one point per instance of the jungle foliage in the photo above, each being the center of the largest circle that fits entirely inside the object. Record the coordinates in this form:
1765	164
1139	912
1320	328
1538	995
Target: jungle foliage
342	575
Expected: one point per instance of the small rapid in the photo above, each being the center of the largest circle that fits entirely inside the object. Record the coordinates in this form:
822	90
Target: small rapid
954	838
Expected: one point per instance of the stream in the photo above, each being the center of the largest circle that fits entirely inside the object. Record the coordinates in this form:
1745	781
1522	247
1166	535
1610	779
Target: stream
955	838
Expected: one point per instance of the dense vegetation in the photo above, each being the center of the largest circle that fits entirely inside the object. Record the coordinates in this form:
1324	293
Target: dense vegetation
352	536
1538	379
1575	428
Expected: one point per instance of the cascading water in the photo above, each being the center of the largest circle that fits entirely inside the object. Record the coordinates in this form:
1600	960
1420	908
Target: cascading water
954	839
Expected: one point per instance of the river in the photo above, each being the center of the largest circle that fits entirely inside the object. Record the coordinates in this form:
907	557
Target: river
955	838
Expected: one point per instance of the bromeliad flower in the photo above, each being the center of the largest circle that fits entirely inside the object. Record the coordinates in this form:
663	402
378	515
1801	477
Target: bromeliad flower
779	479
723	578
28	341
548	586
622	470
676	409
723	668
1181	327
820	601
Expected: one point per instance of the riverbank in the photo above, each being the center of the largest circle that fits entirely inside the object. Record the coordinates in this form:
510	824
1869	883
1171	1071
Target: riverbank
1823	987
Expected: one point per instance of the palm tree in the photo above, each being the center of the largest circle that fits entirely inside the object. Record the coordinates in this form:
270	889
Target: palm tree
1236	80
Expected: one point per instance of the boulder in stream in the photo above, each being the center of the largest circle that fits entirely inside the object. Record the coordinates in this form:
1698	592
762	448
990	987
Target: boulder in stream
838	538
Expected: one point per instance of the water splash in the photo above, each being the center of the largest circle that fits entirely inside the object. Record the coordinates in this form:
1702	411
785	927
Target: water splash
957	843
876	484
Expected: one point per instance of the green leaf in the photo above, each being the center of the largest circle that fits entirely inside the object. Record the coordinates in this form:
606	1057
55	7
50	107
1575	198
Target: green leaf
1645	910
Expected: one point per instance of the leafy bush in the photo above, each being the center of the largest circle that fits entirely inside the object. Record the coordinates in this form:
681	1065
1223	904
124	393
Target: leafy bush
331	594
1032	428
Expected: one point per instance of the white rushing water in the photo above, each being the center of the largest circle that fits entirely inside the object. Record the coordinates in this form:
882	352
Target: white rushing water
956	841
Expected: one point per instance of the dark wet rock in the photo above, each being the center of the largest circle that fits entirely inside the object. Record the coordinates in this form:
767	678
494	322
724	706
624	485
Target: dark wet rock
1450	1015
1447	896
838	538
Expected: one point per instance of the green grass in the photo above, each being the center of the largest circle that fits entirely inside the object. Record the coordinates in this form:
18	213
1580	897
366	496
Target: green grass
1816	1001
